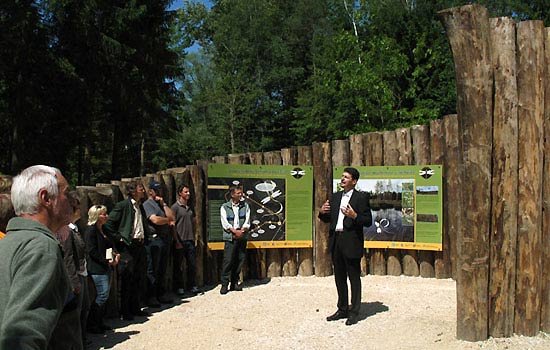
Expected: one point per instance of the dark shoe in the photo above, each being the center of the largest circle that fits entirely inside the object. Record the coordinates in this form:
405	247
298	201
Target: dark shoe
236	287
141	313
127	317
195	290
153	302
165	299
352	319
338	315
224	290
105	327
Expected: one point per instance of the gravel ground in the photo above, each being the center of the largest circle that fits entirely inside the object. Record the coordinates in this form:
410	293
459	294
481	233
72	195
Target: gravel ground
289	313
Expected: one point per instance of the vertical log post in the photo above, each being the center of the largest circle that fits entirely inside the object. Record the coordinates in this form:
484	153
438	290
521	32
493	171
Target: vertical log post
421	140
199	207
257	258
545	300
451	185
357	157
530	113
274	267
442	259
405	147
469	35
391	157
288	255
374	156
305	255
322	168
505	179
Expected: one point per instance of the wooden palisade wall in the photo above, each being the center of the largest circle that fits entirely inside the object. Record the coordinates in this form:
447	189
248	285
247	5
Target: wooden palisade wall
496	209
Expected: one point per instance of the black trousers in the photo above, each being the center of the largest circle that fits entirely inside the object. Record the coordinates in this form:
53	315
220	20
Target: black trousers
234	253
187	253
133	274
345	268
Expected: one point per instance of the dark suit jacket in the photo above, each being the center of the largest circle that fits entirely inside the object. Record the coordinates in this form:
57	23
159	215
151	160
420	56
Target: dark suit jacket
96	246
352	237
120	223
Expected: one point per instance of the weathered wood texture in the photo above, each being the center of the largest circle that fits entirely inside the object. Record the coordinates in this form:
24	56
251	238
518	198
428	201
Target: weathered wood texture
505	179
305	255
545	288
374	156
198	195
468	33
274	266
442	259
357	158
452	206
322	167
421	145
289	255
530	110
391	157
257	258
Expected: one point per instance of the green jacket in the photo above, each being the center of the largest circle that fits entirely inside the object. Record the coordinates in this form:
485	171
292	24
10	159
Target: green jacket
33	283
120	224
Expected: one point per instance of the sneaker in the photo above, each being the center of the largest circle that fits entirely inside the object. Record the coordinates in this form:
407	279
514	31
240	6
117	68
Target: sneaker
180	291
195	290
224	290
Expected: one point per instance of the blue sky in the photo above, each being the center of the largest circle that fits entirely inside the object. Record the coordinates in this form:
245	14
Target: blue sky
179	3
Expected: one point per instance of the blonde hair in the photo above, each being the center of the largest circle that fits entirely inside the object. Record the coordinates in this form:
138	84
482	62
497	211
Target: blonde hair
93	213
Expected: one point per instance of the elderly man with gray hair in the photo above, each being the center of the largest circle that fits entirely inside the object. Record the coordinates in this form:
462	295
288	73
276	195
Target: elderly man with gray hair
34	284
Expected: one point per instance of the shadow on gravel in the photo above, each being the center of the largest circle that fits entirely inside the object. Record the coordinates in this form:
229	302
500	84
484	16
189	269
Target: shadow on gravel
371	309
109	339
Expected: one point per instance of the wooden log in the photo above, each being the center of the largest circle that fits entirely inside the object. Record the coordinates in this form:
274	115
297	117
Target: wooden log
505	179
422	155
391	157
374	156
545	294
530	44
469	35
274	267
257	258
214	258
170	195
421	146
305	255
289	255
357	158
442	259
322	168
451	185
198	202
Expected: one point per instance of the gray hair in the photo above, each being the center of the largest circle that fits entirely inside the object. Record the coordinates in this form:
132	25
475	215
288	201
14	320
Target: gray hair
26	185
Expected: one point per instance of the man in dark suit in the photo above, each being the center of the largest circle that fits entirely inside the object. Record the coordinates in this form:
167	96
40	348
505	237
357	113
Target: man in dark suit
128	226
347	212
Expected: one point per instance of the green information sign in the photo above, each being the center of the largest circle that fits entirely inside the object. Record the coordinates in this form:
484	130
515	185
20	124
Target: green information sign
406	205
280	199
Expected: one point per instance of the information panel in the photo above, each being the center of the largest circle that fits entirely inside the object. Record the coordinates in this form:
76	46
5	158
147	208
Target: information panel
280	199
406	205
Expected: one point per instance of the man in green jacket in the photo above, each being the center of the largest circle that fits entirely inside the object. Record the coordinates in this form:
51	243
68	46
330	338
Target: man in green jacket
33	282
127	226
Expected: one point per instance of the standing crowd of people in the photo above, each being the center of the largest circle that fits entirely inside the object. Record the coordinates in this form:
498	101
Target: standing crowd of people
48	263
56	277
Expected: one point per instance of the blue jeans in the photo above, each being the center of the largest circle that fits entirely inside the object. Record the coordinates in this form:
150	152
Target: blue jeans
102	283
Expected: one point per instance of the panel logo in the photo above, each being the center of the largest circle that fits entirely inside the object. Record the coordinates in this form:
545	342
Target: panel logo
297	173
426	172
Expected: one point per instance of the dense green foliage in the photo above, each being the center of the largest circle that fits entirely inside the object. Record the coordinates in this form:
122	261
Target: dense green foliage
105	89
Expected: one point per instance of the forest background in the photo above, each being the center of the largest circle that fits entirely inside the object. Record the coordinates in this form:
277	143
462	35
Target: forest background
104	89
